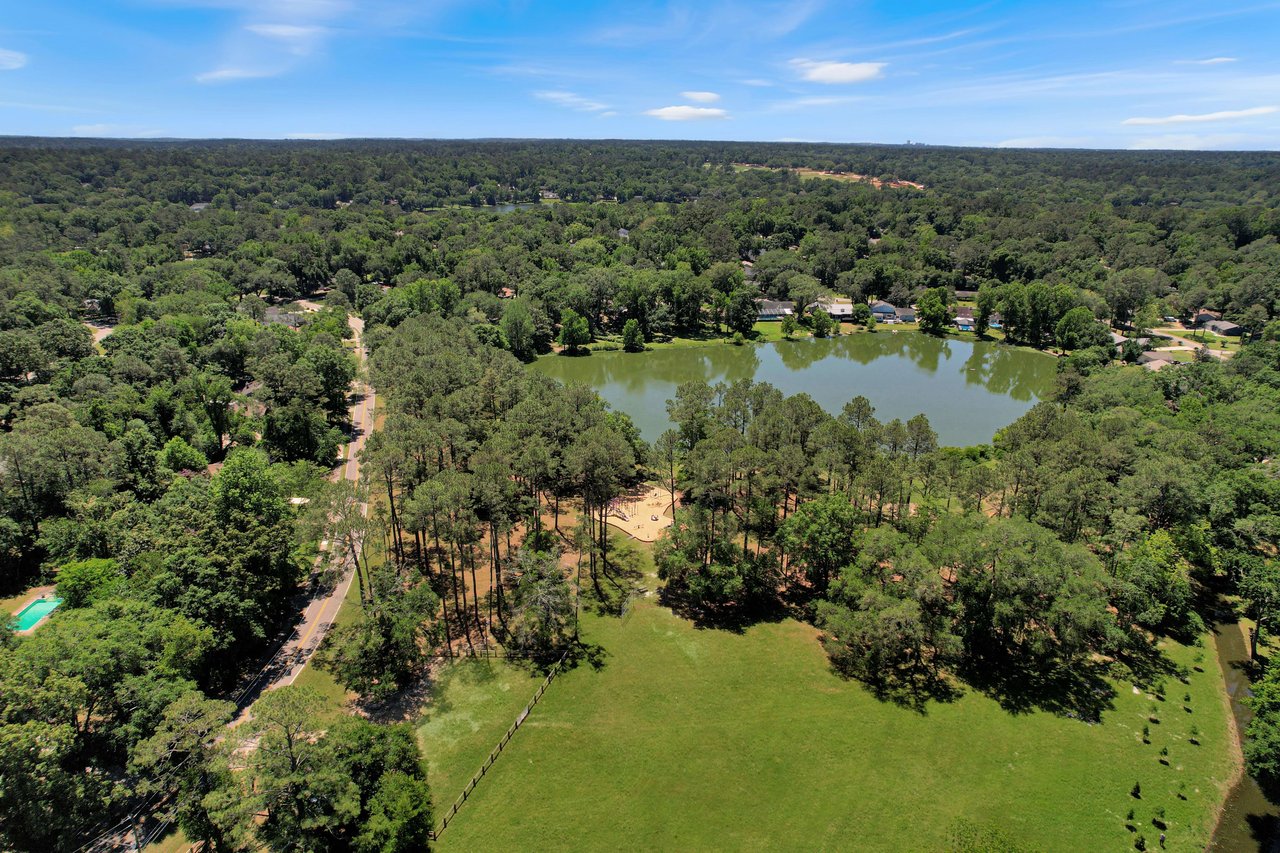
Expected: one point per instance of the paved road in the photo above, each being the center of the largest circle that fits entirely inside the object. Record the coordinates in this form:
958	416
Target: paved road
321	610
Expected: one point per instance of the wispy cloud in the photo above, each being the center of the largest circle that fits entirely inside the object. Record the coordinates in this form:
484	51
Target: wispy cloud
1045	142
114	130
225	75
810	101
271	37
837	72
1222	115
45	108
298	39
756	81
1216	60
11	60
701	23
571	100
684	112
1195	141
701	97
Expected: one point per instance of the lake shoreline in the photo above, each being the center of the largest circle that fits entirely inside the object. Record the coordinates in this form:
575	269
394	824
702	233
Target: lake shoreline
969	390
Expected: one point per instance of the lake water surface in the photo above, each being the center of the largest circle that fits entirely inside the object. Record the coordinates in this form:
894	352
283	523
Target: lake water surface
967	390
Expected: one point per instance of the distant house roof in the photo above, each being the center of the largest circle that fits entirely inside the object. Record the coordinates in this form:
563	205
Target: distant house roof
964	313
882	307
1223	327
1148	357
966	294
774	309
1118	339
1204	315
906	315
624	233
838	306
506	293
199	206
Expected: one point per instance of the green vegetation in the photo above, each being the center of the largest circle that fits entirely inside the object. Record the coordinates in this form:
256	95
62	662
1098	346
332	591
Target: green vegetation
642	749
150	475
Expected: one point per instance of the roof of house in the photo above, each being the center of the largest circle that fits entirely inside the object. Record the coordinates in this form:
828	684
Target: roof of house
966	294
1154	356
882	307
905	312
1223	327
775	306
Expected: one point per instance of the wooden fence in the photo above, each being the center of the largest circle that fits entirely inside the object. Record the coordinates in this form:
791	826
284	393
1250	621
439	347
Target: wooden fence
497	750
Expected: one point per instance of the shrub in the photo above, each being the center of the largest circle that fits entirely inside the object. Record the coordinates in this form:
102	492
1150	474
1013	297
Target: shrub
88	581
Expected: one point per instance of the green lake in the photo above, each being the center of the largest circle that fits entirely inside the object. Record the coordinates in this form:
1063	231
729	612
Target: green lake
967	390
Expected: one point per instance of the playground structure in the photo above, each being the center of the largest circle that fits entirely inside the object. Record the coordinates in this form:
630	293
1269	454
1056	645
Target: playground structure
642	515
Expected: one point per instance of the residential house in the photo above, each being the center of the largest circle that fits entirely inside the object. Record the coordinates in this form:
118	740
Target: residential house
1204	315
1155	360
770	310
1224	327
839	307
906	315
883	311
966	295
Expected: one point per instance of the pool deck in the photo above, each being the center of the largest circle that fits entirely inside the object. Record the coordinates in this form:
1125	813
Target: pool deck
31	595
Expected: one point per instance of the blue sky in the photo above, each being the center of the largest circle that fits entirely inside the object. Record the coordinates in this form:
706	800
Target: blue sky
1121	74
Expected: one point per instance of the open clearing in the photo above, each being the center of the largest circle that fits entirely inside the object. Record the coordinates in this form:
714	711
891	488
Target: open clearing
848	177
688	738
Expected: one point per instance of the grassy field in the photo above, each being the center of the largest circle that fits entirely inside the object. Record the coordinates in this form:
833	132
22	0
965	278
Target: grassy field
705	739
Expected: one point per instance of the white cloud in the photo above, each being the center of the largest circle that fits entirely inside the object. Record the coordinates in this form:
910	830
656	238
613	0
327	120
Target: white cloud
11	60
838	72
755	81
608	114
684	112
1223	115
571	100
225	75
701	97
1216	60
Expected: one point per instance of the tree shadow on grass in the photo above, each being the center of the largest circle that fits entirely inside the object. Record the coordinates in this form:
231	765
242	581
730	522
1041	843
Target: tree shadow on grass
592	654
619	580
734	618
1076	689
915	689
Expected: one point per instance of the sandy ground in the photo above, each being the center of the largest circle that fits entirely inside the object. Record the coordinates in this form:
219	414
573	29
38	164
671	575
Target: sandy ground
99	330
643	516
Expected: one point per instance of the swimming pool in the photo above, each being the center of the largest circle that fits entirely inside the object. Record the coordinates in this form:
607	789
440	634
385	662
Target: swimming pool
30	615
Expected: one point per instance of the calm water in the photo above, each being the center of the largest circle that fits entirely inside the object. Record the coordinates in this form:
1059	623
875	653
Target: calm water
967	390
1249	821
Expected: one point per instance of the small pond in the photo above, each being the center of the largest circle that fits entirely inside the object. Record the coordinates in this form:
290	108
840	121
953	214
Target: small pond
967	390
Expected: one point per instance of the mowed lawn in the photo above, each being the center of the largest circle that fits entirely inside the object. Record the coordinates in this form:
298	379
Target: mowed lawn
705	739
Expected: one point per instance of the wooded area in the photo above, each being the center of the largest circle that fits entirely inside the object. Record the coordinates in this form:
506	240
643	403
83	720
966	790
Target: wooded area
163	396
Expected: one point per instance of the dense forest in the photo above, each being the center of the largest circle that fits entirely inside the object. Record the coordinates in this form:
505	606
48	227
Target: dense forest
169	414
